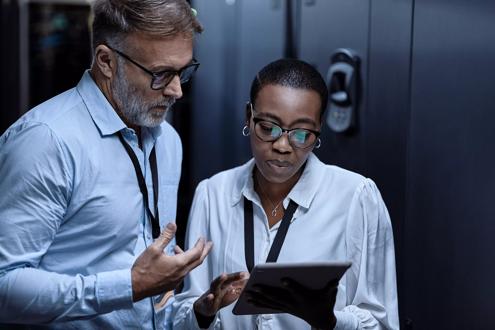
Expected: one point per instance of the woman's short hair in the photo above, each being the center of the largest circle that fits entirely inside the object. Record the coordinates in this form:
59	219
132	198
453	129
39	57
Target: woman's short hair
290	73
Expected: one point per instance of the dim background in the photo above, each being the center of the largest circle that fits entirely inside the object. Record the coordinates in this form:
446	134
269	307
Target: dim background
424	109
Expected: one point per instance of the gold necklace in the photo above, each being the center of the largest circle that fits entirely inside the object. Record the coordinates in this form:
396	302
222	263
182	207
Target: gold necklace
275	207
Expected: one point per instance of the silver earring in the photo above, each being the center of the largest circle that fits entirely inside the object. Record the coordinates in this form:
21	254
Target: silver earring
318	143
245	130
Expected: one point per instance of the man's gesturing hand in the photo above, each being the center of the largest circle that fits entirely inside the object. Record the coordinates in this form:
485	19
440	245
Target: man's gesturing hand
154	272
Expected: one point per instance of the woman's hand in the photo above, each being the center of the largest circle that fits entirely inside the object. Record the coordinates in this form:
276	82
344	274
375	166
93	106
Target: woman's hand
224	290
313	306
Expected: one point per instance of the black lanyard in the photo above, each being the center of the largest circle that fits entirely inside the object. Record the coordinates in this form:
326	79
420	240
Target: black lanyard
155	218
249	233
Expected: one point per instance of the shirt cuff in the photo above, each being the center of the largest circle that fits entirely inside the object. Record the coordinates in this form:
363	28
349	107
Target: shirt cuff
204	322
345	321
114	290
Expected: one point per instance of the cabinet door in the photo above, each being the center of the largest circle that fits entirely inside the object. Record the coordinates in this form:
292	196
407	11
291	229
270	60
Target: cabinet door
450	225
240	37
324	27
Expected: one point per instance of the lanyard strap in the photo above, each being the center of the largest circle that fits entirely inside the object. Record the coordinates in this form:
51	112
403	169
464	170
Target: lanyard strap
155	218
249	233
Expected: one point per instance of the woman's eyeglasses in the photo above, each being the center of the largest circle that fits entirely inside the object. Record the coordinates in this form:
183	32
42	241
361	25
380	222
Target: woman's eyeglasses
300	138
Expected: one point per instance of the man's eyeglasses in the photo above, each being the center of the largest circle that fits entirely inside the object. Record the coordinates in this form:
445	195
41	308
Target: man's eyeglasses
160	80
300	138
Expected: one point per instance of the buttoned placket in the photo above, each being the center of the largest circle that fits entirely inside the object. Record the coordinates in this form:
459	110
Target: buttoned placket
143	157
265	321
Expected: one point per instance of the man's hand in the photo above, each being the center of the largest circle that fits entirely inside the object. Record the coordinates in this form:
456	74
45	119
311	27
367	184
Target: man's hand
313	306
154	272
224	290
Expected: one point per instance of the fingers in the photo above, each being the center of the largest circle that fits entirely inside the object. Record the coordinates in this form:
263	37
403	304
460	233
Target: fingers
178	250
217	281
228	285
225	280
238	279
206	250
166	235
195	256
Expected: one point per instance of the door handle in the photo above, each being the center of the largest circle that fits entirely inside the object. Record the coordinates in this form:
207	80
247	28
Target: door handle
342	82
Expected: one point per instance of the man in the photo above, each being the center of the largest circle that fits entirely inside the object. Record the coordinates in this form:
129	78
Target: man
89	179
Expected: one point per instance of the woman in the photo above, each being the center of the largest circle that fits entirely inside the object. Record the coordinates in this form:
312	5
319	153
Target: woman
340	216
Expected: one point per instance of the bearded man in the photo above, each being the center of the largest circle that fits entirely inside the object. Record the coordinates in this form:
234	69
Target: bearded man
89	181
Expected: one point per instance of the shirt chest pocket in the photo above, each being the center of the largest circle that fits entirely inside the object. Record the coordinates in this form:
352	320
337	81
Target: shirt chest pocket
167	201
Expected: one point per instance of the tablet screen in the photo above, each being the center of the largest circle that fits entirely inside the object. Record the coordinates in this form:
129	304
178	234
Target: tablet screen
314	275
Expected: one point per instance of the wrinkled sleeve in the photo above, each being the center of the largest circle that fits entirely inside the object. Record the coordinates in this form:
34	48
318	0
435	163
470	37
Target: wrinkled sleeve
371	281
35	183
198	280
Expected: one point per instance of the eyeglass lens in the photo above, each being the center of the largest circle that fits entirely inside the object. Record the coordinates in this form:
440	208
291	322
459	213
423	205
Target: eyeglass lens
162	79
299	137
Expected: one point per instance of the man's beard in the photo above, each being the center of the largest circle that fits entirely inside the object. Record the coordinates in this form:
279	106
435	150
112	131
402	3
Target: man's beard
134	108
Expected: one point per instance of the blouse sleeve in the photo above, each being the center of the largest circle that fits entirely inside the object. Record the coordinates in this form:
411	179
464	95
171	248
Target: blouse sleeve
198	280
371	281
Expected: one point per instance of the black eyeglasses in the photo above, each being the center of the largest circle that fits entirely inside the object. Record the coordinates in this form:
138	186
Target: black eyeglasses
300	138
160	80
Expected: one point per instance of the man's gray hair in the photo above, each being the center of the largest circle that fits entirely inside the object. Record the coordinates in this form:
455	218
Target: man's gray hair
113	20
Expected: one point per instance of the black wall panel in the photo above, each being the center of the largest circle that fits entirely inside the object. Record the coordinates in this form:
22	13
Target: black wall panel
450	216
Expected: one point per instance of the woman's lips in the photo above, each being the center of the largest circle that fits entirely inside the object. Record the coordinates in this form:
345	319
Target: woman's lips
279	165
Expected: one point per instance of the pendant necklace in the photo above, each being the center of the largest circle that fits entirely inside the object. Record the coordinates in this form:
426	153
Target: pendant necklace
275	207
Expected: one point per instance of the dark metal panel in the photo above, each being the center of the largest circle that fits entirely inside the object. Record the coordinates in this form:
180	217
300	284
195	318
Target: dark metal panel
239	38
450	227
9	77
387	117
325	27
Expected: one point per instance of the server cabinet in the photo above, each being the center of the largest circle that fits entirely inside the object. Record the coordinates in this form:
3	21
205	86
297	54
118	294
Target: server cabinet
423	134
325	27
450	225
239	38
9	79
55	48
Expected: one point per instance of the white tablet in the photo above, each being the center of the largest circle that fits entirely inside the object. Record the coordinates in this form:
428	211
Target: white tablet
314	275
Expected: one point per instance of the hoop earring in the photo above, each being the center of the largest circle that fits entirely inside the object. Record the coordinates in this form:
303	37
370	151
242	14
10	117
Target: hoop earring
245	130
318	143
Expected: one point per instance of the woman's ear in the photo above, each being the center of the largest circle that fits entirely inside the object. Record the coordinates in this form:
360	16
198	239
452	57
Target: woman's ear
249	112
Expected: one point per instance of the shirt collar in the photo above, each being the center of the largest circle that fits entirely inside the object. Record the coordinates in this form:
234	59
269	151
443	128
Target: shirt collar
101	111
302	193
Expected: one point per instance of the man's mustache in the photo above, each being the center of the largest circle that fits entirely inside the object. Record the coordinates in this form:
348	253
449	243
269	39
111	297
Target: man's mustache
167	103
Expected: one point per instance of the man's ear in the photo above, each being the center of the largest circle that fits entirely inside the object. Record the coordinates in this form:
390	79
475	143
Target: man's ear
105	61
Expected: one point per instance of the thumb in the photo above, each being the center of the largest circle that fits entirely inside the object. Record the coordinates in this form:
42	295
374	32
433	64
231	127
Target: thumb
167	235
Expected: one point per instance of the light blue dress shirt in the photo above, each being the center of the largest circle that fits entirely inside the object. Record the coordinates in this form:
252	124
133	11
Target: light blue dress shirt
72	218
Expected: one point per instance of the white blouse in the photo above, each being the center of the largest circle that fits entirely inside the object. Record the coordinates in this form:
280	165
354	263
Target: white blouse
341	217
